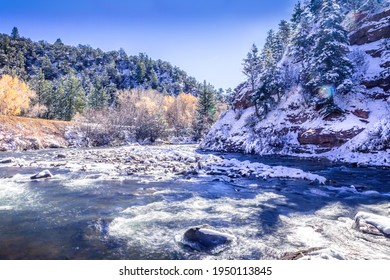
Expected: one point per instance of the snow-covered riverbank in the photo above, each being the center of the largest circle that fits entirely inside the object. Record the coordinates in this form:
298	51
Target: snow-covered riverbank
157	162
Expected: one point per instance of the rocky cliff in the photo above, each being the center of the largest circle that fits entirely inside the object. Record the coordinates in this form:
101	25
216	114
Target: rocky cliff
361	134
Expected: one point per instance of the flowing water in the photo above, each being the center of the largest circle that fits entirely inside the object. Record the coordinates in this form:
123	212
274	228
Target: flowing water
82	215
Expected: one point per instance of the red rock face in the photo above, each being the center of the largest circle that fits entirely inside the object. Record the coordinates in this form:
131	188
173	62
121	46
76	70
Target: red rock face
380	82
242	98
375	28
369	30
326	138
361	113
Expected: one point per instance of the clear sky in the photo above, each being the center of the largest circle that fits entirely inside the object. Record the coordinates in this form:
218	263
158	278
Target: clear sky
207	39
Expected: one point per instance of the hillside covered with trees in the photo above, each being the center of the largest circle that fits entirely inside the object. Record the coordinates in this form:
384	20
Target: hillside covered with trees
61	74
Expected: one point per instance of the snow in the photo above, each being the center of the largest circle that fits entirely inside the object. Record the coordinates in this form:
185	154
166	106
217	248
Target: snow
264	171
374	68
324	254
369	46
380	222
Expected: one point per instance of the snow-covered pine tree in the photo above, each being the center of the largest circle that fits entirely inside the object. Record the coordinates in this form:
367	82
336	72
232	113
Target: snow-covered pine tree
252	66
297	14
302	39
262	97
281	40
329	63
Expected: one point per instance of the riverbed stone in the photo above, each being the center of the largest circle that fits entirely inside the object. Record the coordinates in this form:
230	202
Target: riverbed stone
41	175
296	255
372	224
5	160
205	238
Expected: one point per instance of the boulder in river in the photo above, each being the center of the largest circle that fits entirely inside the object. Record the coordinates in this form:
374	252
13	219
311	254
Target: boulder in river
43	174
5	160
372	224
206	238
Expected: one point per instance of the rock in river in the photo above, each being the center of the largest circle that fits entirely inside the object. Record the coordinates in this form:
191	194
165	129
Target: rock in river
43	174
205	238
372	224
5	160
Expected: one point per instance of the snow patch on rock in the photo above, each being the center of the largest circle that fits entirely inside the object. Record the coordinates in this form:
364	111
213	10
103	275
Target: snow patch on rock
382	223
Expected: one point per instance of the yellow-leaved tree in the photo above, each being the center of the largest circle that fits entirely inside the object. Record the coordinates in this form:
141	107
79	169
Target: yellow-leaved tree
186	105
15	96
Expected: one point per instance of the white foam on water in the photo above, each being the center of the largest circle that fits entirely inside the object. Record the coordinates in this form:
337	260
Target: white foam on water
82	184
162	223
318	192
15	194
88	181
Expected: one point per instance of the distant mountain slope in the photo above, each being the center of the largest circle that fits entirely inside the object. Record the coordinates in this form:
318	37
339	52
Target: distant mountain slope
355	129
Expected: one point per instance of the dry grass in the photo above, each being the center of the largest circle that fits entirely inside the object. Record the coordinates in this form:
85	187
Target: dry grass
18	133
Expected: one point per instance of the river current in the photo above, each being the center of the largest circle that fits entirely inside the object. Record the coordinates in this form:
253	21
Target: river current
81	214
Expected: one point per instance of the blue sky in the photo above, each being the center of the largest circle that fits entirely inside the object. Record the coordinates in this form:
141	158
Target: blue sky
207	39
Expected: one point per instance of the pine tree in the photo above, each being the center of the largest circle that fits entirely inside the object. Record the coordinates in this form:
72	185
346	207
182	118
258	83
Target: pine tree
15	33
284	34
44	92
329	63
153	79
297	14
262	97
252	66
141	72
58	42
302	41
56	111
206	109
269	41
97	96
47	68
73	98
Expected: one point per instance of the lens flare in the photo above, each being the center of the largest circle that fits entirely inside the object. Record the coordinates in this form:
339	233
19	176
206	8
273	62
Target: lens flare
326	92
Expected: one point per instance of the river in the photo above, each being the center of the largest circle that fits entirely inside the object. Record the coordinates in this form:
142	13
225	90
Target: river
109	204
